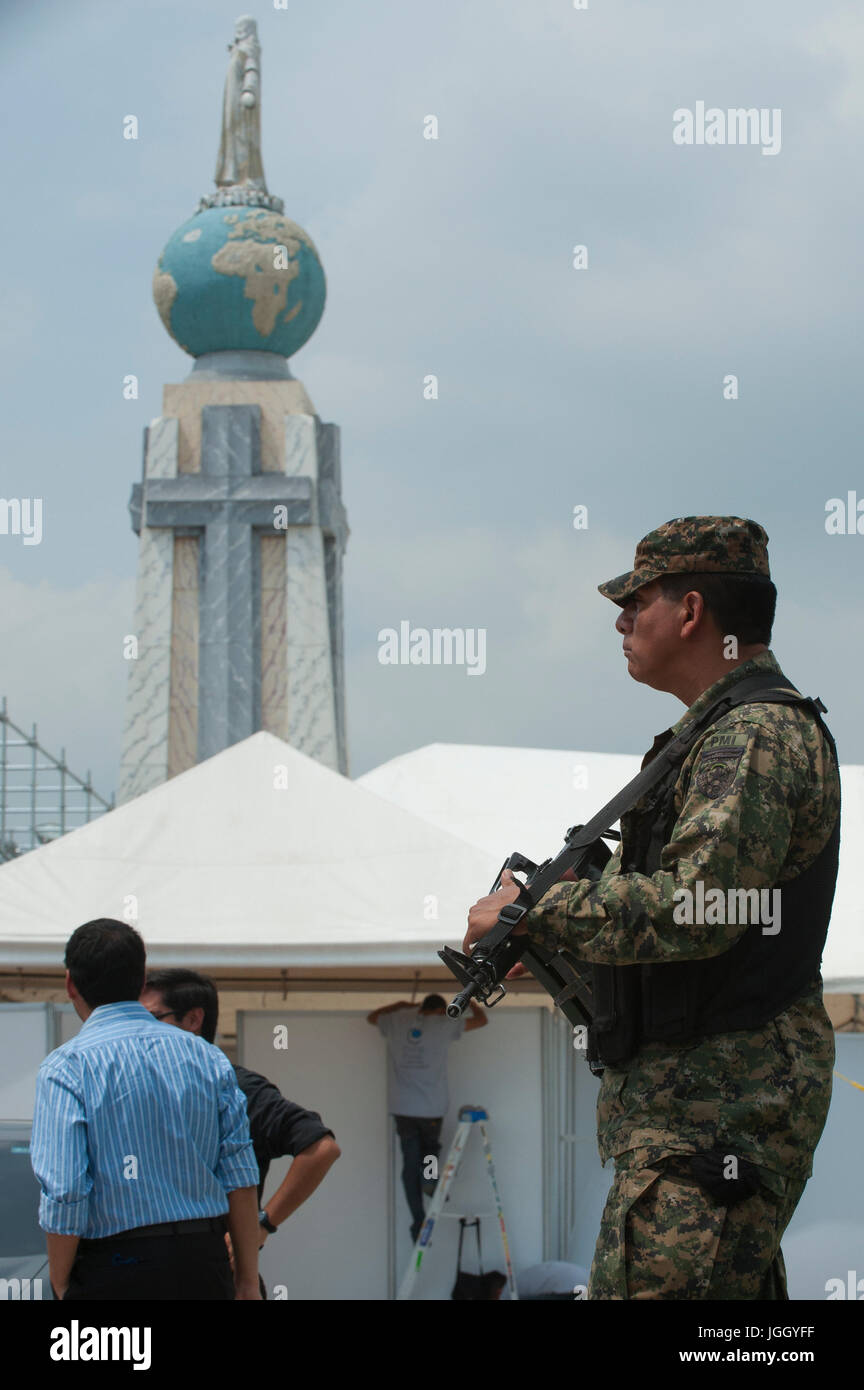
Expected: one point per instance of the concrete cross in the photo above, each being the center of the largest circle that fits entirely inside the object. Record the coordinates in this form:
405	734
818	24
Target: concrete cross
225	504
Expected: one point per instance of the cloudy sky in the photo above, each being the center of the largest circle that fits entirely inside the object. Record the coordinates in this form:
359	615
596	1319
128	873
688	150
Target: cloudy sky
557	387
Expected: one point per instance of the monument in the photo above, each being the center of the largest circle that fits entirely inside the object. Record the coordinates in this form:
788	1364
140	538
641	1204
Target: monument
238	621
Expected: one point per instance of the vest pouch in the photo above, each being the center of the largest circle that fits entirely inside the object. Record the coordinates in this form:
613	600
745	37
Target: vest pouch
612	1036
670	1003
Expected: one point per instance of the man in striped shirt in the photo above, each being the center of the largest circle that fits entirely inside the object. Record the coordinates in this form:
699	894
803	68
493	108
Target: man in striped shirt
141	1144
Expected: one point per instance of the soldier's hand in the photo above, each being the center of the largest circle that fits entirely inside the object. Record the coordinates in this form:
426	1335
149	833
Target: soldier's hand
484	914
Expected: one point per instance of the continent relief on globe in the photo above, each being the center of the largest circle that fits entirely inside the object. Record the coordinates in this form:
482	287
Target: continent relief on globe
263	252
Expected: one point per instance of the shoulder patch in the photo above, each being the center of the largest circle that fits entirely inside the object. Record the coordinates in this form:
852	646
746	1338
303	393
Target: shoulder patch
719	759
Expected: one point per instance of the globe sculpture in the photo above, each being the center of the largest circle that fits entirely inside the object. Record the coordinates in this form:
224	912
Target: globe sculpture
240	277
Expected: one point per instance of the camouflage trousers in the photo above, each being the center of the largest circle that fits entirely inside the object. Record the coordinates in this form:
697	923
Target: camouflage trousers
663	1236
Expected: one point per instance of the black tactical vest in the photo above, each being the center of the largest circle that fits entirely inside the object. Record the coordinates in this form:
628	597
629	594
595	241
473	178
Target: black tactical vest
756	979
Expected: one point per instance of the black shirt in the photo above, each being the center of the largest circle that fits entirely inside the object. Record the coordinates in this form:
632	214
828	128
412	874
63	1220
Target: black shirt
277	1125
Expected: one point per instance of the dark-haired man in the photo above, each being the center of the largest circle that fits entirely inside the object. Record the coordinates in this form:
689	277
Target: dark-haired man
278	1126
140	1143
705	933
417	1046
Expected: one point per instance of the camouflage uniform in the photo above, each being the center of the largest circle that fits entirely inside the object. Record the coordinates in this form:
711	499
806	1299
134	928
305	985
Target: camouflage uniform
755	801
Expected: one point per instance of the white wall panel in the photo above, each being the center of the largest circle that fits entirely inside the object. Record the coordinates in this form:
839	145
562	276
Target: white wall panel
24	1041
338	1245
335	1246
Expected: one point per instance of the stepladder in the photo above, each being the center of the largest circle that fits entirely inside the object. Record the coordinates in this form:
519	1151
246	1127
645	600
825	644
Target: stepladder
472	1120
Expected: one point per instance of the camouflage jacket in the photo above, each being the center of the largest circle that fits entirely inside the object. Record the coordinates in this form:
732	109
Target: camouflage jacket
755	801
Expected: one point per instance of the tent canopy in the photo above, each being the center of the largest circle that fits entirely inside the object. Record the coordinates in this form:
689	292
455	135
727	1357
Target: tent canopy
259	856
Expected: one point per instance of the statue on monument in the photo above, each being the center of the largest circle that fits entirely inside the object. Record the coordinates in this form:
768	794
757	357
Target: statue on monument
239	169
240	149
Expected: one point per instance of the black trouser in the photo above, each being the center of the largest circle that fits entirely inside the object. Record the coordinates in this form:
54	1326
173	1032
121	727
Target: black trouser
168	1267
420	1139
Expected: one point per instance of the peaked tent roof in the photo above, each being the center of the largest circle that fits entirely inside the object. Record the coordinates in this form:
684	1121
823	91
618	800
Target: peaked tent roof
502	799
227	866
526	798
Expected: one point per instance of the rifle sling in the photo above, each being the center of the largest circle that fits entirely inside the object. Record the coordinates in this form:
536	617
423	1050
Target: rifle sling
671	755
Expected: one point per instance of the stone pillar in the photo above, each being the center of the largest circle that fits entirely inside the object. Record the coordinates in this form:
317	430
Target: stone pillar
313	714
239	609
144	759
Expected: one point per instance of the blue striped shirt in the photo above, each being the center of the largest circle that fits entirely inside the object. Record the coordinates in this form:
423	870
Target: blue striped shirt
136	1122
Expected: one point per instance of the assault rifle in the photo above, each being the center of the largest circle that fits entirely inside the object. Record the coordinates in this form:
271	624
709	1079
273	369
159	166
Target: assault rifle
567	979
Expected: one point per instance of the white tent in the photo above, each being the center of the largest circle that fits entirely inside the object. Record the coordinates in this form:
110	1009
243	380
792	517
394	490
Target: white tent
258	857
262	857
505	799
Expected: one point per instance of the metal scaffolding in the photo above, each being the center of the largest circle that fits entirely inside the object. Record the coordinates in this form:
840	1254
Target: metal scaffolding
40	797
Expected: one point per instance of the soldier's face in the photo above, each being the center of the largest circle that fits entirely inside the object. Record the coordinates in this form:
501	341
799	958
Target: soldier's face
651	628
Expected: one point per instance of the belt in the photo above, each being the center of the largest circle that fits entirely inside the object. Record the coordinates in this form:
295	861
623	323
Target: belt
199	1227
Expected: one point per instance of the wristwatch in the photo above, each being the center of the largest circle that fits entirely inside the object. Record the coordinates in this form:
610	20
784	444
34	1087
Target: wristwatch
264	1220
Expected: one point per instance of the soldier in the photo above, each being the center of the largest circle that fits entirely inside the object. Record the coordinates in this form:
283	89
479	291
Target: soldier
710	1026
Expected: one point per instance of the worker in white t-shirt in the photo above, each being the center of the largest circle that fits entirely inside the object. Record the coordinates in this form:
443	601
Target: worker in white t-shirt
417	1044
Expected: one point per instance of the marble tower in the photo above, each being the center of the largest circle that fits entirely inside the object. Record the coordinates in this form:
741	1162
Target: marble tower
238	622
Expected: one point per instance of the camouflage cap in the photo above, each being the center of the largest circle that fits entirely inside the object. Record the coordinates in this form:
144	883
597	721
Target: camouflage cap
693	545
